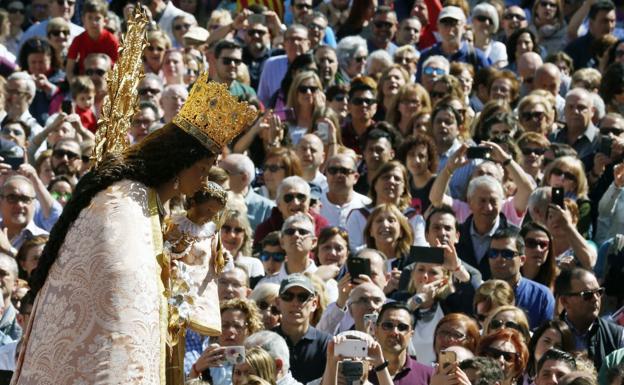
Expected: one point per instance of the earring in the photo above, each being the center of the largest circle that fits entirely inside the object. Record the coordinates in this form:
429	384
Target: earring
176	183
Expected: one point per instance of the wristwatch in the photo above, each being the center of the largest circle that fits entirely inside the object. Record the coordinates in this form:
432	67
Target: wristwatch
382	366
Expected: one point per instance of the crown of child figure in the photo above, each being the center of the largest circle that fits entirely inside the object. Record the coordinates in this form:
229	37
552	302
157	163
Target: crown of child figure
212	115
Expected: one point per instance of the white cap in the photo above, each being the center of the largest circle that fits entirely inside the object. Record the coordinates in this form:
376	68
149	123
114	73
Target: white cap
452	12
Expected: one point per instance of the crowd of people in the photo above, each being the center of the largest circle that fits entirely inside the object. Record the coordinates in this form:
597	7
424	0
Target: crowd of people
438	181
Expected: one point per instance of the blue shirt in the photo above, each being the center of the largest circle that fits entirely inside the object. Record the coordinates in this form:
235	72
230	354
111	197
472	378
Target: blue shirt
308	356
536	300
272	74
461	176
258	208
466	54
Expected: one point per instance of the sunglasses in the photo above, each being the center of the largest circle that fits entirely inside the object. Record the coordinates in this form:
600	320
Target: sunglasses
433	71
151	91
497	324
92	72
514	16
340	98
63	153
254	32
154	48
15	10
383	24
449	22
339	170
181	27
359	101
482	317
302	6
389	326
588	294
530	150
278	256
611	130
301	297
539	115
451	335
57	195
567	175
360	59
496	353
293	230
59	32
291	197
263	305
273	167
15	198
307	89
483	19
505	253
532	243
436	95
231	60
63	2
229	229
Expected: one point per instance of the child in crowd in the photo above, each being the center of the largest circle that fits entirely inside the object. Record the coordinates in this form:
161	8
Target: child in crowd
272	257
83	96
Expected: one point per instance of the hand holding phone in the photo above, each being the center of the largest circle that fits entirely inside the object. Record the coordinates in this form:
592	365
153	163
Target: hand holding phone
358	266
235	354
557	197
446	358
351	348
479	152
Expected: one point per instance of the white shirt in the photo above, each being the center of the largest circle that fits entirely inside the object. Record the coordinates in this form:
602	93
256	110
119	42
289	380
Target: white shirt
421	344
253	265
337	215
277	278
7	356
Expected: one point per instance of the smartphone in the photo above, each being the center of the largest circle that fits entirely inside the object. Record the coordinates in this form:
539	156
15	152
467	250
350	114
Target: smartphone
15	163
351	370
370	318
446	358
286	114
322	131
605	145
235	354
352	348
357	266
67	107
557	196
426	254
256	18
479	153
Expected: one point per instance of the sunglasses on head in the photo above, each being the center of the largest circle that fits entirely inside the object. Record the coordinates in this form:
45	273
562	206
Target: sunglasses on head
95	71
497	353
305	89
301	297
263	305
64	153
278	256
535	151
505	253
400	326
333	170
566	174
497	324
359	101
291	197
532	243
293	230
588	294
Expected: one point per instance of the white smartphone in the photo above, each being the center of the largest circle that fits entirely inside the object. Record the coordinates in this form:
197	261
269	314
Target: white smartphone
352	348
322	131
235	354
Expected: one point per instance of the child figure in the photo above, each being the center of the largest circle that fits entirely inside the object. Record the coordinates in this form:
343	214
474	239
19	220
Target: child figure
83	96
193	244
95	38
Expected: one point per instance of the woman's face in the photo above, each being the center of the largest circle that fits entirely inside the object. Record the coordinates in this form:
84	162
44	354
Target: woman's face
525	44
173	65
232	235
409	105
390	186
547	10
240	372
536	248
417	160
333	251
465	78
340	104
59	39
425	273
482	25
357	64
500	347
234	328
274	173
39	64
45	172
551	338
501	90
563	176
449	334
155	53
181	26
62	192
393	82
500	129
535	118
31	259
385	228
270	313
421	124
191	179
307	93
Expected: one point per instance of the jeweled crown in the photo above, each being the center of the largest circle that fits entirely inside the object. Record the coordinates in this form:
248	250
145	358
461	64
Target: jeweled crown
212	115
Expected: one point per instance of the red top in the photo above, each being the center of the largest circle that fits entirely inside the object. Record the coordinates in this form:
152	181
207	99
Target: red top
87	118
82	46
427	38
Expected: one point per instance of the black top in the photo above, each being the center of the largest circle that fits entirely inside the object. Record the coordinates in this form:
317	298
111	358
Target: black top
308	356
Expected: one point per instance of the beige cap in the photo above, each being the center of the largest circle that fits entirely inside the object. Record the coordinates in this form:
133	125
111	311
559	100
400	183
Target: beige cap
197	35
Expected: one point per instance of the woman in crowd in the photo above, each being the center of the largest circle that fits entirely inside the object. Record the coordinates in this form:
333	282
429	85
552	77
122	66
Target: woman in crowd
502	125
280	162
61	188
507	317
464	72
533	146
58	37
389	185
338	100
505	86
332	136
549	25
552	334
508	348
388	231
390	82
28	255
537	114
490	109
305	97
352	53
445	86
181	25
456	329
302	63
485	27
420	123
43	166
265	295
521	41
257	363
173	68
419	154
332	250
541	264
236	236
154	55
491	295
410	99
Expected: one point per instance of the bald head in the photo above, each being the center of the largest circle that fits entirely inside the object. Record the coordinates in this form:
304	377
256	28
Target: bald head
547	77
528	63
342	159
241	171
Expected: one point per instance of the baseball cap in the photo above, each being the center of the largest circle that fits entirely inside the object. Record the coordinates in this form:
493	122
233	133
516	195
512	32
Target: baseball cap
452	12
197	35
298	280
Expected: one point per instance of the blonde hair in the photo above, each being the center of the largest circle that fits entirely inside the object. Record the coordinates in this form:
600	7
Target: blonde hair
496	293
291	99
247	307
321	295
576	167
241	217
406	237
159	37
262	363
519	317
393	115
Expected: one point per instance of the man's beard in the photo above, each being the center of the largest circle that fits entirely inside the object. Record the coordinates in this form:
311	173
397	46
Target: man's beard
63	169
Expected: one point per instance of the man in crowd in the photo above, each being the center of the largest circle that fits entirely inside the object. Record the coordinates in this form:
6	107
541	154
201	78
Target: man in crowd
378	148
10	329
67	158
409	32
257	50
96	66
602	19
172	100
311	153
553	365
327	63
233	283
147	115
150	90
298	240
384	29
229	56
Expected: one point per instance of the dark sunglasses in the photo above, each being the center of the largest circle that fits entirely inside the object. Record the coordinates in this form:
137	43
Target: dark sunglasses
62	153
497	324
567	175
293	230
302	6
434	71
253	32
15	10
383	24
530	150
449	22
181	27
263	305
340	98
360	59
389	326
505	253
588	294
15	198
532	115
278	256
483	18
359	101
305	89
339	170
155	48
151	91
62	2
514	16
535	243
229	229
95	71
436	95
273	167
231	60
301	297
496	353
482	317
611	130
291	197
59	32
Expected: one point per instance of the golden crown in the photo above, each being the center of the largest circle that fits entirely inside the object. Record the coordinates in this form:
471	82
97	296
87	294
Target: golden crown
212	115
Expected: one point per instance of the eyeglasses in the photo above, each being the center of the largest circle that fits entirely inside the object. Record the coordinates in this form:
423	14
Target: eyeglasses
253	32
383	24
333	170
528	115
497	324
360	59
155	48
57	195
497	353
532	150
291	197
611	130
588	294
64	153
316	27
12	131
273	167
483	19
451	335
505	253
547	4
59	32
231	60
15	10
359	101
288	296
566	174
305	89
533	243
15	198
181	27
95	71
228	229
340	98
302	6
147	90
263	305
514	16
293	230
62	2
390	326
433	71
277	256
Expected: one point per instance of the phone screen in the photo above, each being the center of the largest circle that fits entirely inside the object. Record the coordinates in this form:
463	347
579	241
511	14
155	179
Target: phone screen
478	153
557	196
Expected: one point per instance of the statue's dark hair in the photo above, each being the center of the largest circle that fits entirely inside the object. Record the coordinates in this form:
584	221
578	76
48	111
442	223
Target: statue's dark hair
157	159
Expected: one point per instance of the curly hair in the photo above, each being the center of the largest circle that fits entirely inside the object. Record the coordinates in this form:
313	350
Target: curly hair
154	161
416	140
253	320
